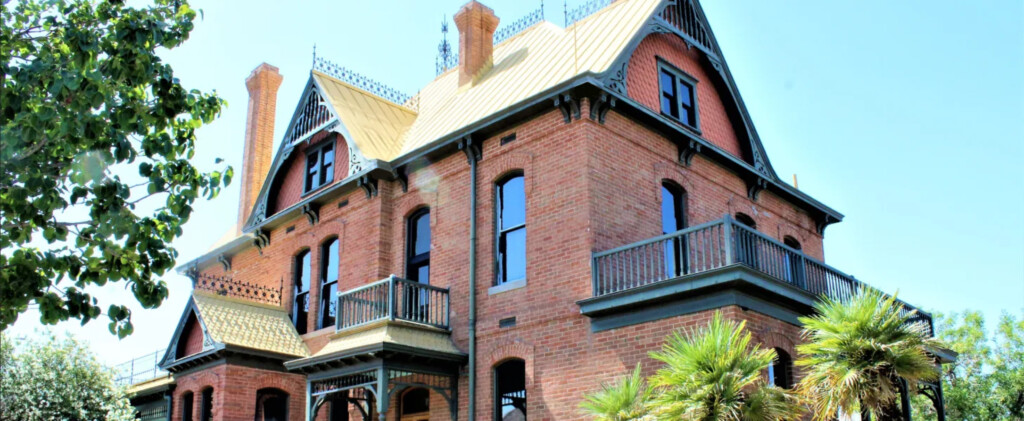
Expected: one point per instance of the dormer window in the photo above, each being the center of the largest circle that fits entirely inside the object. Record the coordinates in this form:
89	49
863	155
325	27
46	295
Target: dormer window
678	95
319	166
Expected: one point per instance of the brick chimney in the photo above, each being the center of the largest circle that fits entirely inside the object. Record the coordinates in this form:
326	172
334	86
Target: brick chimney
476	24
262	84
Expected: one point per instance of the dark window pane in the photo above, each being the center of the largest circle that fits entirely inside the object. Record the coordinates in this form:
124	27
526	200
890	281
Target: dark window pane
668	106
514	253
510	390
330	266
669	211
423	274
303	278
422	227
415	401
513	203
668	84
327	166
206	407
684	116
685	94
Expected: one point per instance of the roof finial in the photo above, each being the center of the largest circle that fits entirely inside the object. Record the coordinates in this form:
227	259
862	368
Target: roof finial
444	60
314	54
565	12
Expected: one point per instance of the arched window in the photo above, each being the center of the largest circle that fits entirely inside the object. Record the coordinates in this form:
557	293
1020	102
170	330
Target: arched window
300	306
780	373
206	405
673	218
417	260
328	283
746	220
510	390
186	406
271	405
747	246
511	227
794	262
415	405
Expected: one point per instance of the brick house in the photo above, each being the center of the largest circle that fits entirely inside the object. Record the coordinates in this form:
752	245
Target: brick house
531	224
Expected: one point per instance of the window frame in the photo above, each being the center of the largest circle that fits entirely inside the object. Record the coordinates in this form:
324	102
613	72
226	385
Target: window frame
270	392
300	268
680	250
206	404
188	406
679	78
322	311
782	362
496	389
413	261
500	283
324	177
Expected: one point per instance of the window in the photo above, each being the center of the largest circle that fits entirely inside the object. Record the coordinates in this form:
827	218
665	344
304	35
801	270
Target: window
747	244
673	218
677	95
206	405
794	262
781	371
415	405
511	224
417	260
319	166
186	406
328	283
510	390
338	406
271	405
300	307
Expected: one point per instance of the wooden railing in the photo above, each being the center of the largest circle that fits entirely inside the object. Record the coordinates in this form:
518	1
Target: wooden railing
394	298
718	244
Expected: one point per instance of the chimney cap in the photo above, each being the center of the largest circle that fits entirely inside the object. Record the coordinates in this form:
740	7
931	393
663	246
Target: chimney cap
262	71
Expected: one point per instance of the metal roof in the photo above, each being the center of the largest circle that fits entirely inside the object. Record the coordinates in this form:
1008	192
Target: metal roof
246	324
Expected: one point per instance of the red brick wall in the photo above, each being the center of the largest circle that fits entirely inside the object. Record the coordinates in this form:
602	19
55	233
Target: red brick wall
234	391
193	334
291	187
642	84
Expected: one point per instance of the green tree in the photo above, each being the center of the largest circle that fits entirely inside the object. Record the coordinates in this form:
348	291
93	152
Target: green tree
1008	367
625	400
84	101
715	373
57	379
856	354
966	384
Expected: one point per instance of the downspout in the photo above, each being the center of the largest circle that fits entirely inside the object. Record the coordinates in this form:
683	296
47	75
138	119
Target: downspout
472	155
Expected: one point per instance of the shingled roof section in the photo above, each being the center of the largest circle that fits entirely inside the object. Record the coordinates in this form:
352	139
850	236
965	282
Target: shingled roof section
244	324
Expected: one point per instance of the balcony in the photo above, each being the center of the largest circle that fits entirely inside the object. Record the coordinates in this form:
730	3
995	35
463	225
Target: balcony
394	299
390	335
718	263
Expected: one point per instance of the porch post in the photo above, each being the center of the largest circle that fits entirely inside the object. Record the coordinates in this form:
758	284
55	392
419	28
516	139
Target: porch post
309	401
940	402
905	399
727	233
383	397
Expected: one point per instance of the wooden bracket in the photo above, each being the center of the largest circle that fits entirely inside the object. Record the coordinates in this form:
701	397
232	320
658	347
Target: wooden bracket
570	107
687	149
599	107
224	261
368	184
312	212
262	240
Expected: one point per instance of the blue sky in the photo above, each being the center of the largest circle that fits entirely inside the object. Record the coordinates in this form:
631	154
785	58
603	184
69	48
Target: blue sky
905	116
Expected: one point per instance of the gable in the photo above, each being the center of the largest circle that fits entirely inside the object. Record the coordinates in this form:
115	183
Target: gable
192	338
289	184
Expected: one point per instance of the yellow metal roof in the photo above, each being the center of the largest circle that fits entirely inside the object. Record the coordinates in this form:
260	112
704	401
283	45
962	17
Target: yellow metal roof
142	387
392	332
527	64
248	325
373	123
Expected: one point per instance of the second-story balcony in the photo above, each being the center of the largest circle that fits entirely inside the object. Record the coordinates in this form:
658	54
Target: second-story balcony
390	335
706	266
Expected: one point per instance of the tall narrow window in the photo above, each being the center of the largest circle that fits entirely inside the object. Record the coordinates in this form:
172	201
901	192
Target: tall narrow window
186	406
300	307
511	224
319	166
781	371
417	266
271	405
677	95
328	283
206	405
794	262
510	390
673	218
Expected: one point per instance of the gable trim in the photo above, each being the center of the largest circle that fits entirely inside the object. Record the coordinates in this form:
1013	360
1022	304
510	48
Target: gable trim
170	358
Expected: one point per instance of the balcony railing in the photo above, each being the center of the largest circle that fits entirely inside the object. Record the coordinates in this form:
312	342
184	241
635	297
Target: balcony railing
138	370
718	244
394	298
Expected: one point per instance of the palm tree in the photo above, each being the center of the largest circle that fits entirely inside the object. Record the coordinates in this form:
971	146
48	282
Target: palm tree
715	374
857	354
626	400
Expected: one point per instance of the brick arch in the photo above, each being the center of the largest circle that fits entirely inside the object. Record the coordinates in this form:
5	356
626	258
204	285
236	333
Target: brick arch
505	164
775	339
503	352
